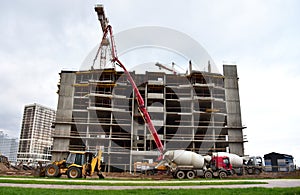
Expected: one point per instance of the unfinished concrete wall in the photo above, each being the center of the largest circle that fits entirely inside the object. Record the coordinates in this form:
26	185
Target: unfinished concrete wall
234	121
97	109
62	131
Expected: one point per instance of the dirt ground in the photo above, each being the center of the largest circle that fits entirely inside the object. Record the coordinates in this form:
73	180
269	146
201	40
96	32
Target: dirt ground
12	171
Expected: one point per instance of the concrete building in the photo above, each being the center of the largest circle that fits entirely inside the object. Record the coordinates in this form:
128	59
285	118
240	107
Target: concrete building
36	134
199	111
8	146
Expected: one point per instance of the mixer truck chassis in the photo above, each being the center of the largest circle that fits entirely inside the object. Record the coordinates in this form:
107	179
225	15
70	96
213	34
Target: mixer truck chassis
190	173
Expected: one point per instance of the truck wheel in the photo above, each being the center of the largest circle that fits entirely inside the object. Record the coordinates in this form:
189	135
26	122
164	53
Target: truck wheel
222	175
208	175
52	171
190	174
74	172
249	171
256	171
180	175
240	173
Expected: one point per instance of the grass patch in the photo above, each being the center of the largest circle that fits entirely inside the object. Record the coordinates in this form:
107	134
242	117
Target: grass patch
248	191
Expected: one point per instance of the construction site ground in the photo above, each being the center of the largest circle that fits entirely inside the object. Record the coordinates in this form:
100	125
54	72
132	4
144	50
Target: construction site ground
270	180
15	171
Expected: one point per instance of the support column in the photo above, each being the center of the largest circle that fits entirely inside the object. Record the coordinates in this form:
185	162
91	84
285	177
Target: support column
62	130
234	121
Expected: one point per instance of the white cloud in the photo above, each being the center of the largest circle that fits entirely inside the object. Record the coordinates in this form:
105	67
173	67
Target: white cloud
38	40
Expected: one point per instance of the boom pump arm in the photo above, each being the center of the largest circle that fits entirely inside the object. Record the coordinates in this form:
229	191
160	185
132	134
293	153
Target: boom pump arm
107	29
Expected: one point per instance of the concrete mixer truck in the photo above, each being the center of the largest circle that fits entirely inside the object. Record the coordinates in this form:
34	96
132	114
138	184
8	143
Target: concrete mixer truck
252	165
181	163
186	164
223	164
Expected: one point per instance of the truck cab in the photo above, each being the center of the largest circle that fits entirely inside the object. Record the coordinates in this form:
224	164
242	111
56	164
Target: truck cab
254	165
221	164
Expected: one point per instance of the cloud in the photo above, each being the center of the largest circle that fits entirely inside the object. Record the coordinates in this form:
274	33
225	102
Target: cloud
36	43
38	40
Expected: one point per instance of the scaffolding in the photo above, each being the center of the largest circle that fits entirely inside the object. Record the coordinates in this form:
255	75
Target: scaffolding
188	111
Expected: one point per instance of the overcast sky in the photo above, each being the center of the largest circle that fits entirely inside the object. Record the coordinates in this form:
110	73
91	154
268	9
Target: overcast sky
38	39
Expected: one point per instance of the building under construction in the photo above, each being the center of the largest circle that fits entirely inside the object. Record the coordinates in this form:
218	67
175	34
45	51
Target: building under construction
97	109
112	110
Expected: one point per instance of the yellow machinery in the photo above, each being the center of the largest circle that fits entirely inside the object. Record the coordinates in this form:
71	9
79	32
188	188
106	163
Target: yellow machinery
78	164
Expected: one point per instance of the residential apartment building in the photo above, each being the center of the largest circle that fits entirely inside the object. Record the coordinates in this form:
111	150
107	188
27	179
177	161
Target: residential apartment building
8	146
36	134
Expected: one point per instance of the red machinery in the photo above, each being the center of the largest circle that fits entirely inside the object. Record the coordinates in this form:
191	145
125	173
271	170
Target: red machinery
107	29
221	164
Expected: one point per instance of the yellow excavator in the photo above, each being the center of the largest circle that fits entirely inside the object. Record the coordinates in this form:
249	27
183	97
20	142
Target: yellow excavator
77	165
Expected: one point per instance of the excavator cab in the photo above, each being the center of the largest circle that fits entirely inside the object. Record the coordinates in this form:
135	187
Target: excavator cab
79	158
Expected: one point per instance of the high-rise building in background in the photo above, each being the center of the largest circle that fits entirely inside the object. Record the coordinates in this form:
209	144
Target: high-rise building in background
36	134
8	146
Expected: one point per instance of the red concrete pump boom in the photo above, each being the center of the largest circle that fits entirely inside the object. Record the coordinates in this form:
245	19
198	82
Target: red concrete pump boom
107	29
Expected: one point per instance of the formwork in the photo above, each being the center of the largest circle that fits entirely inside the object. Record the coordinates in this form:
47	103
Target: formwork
97	109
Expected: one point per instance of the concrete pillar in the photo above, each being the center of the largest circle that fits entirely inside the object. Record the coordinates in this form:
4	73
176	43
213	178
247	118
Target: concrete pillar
62	130
234	121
